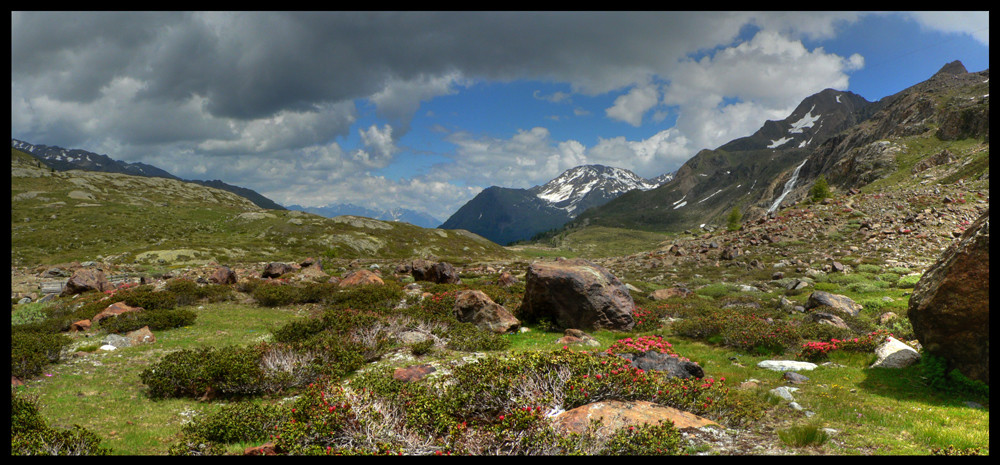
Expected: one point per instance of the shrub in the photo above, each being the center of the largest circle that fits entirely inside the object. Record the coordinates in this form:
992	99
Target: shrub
935	370
237	422
30	434
645	439
733	219
147	298
274	295
909	281
156	320
225	372
820	190
467	337
31	352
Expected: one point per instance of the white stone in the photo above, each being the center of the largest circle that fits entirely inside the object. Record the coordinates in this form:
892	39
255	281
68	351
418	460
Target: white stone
786	365
894	353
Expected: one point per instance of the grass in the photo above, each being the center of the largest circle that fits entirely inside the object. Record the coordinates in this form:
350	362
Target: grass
102	391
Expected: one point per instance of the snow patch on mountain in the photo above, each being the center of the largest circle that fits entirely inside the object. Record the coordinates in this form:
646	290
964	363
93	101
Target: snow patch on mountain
570	188
806	121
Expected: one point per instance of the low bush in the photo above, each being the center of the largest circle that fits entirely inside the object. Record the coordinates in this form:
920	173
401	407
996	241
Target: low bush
224	372
645	439
155	320
237	422
32	351
804	435
30	434
467	337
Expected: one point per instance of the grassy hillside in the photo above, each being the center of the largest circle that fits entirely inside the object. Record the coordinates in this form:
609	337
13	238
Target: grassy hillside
75	215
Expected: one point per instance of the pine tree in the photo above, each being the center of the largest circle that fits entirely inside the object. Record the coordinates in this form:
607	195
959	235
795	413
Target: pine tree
733	220
820	190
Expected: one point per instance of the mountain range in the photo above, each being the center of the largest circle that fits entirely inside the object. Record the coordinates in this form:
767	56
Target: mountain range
60	159
839	135
392	214
505	215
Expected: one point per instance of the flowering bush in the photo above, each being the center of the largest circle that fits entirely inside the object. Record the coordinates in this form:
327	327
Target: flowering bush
641	345
817	351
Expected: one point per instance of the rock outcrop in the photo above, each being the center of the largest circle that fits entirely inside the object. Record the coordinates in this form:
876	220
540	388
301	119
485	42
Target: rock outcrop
950	305
473	306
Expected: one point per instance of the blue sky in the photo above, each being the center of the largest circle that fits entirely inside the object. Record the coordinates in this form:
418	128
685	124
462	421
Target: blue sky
422	110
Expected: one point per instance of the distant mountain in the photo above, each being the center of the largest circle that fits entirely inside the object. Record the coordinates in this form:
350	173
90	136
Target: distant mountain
839	135
506	215
61	159
394	214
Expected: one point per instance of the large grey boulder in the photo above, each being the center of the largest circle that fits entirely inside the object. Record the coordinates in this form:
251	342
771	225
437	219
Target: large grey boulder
576	294
837	302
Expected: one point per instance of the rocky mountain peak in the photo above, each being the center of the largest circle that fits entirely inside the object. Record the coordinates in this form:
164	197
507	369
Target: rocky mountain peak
571	189
955	67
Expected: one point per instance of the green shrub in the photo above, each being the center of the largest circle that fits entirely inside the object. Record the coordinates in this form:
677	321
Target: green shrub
467	337
188	292
644	439
30	434
733	219
31	352
908	281
155	320
935	370
147	298
820	190
422	348
237	422
225	372
274	294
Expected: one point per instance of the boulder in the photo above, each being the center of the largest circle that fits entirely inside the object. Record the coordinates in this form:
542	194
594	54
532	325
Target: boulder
574	336
276	269
84	280
360	278
577	294
223	275
506	279
440	273
615	414
837	302
264	449
82	325
824	318
412	373
893	353
114	309
786	365
950	305
473	306
671	365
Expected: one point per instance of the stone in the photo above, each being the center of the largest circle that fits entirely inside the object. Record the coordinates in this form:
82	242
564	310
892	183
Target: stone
117	341
837	302
276	269
666	293
141	336
84	280
82	325
671	365
223	275
114	309
886	317
574	336
784	392
263	449
794	378
474	306
615	414
576	294
412	373
360	278
506	279
786	365
440	273
824	318
894	353
950	305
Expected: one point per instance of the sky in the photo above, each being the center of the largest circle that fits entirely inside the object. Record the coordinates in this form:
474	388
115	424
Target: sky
423	110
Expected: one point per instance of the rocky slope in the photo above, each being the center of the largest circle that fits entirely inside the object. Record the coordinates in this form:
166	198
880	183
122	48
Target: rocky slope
838	135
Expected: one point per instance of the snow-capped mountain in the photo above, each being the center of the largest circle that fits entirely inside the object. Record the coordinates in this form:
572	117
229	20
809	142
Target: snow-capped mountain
585	186
504	215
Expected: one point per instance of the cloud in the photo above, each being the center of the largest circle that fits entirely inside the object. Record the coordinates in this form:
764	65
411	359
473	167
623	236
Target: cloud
974	23
632	106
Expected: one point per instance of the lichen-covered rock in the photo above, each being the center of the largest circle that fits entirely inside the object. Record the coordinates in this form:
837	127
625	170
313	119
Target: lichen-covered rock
840	303
950	305
84	280
577	294
473	306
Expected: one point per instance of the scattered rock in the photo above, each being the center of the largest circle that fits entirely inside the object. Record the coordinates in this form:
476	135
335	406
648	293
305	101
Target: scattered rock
506	279
671	365
837	302
223	275
474	306
784	392
114	309
141	336
577	294
360	278
795	378
895	354
666	293
824	318
440	273
276	269
576	337
786	365
84	280
615	414
412	373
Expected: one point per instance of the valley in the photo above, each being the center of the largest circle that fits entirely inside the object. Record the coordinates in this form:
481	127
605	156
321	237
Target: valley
281	332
